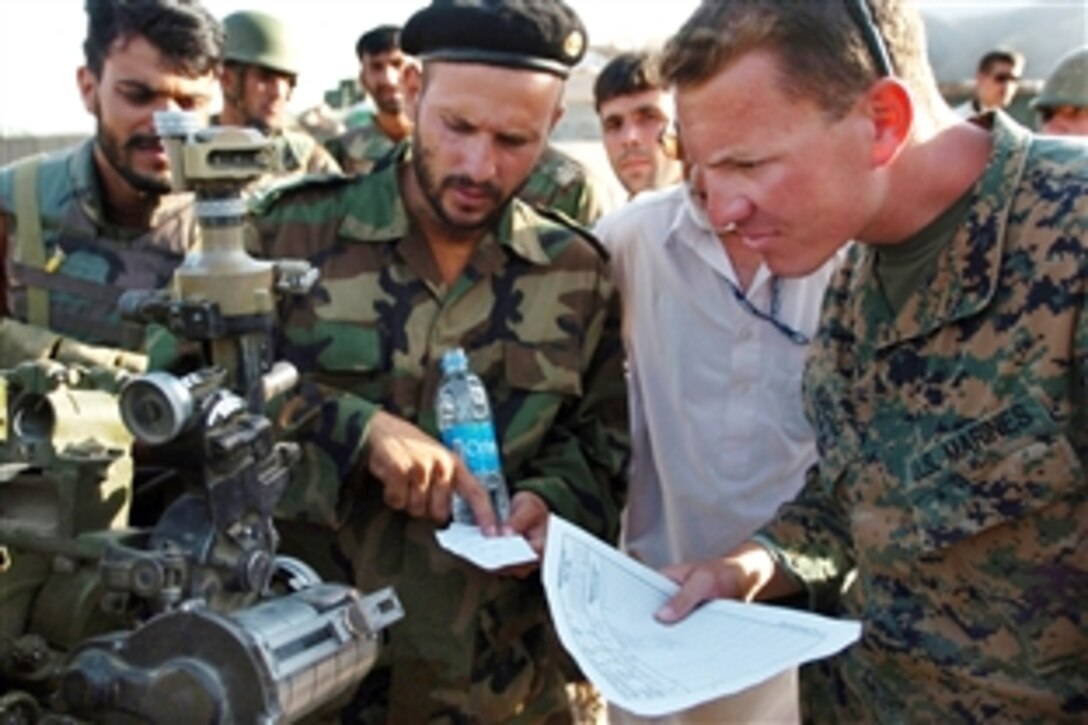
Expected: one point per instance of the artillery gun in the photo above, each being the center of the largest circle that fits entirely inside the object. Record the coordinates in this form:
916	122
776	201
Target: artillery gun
194	615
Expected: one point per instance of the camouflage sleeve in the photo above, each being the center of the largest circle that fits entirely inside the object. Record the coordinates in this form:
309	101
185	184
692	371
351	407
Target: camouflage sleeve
331	426
809	538
580	469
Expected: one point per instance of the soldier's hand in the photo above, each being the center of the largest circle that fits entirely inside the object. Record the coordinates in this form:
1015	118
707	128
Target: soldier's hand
746	573
528	518
419	474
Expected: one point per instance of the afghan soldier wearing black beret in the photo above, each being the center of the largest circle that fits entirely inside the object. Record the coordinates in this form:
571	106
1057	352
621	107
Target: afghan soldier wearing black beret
430	252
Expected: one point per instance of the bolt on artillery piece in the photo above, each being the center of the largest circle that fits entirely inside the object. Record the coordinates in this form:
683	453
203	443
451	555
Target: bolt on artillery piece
195	614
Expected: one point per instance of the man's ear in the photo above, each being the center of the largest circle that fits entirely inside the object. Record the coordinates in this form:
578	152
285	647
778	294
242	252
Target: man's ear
890	108
88	88
411	83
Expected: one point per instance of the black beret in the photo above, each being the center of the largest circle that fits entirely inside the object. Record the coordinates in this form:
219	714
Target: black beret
543	35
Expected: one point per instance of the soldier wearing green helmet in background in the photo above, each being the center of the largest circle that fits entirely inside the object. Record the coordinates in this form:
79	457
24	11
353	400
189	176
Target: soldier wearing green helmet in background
1063	104
260	70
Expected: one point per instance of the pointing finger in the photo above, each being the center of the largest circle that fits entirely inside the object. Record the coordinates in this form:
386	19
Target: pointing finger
470	488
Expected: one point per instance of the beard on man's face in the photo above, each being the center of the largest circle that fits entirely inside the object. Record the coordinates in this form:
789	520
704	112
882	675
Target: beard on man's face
390	101
433	188
118	153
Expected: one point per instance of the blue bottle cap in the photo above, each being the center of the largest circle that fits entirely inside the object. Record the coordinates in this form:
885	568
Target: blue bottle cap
454	361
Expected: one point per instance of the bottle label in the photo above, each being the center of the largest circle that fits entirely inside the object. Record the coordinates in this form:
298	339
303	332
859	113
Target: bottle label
475	443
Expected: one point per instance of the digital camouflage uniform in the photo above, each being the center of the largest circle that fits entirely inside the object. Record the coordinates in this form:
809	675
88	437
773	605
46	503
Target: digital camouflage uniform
953	443
562	183
85	262
538	317
359	149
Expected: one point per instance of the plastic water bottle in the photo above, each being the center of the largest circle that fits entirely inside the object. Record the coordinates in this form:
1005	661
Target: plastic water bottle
464	421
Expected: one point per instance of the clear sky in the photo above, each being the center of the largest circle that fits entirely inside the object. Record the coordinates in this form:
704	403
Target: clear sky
40	45
38	66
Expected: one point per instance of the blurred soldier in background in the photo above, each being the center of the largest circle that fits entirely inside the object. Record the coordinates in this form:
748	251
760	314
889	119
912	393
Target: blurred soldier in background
1063	104
996	80
259	73
383	71
636	112
81	226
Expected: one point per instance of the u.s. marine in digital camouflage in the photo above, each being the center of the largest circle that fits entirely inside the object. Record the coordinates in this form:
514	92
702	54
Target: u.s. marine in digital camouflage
954	462
947	382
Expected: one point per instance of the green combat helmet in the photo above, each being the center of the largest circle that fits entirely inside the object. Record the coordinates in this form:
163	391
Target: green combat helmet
1067	84
259	39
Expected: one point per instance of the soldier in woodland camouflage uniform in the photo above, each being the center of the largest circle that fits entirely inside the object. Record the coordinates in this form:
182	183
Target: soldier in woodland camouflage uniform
260	71
425	254
947	384
81	226
386	74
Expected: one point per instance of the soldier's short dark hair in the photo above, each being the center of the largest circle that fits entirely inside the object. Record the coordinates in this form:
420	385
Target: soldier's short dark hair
184	31
627	74
1000	55
382	39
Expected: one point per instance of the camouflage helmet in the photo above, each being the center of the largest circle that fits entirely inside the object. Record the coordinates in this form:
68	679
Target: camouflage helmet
259	39
1067	84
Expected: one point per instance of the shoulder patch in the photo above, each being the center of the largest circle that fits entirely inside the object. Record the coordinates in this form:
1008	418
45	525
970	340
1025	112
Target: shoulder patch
565	221
266	201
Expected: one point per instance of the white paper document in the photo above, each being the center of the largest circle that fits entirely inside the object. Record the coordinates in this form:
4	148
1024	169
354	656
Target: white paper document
486	552
603	604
